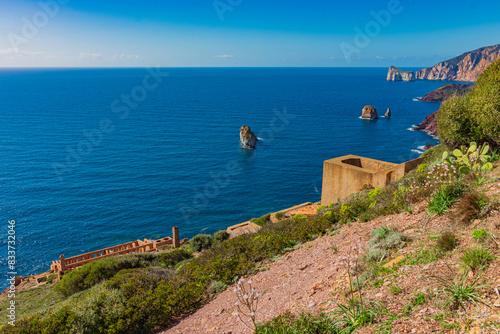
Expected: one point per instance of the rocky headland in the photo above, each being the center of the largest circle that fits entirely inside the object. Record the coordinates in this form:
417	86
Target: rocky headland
396	74
443	93
429	124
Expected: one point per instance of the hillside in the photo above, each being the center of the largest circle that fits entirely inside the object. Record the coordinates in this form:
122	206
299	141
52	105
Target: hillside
443	93
465	67
314	278
373	253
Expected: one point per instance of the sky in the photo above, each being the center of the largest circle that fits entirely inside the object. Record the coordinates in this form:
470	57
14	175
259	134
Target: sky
242	33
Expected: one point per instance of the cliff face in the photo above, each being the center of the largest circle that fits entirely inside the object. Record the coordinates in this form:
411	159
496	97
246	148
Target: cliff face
429	125
396	74
445	92
465	67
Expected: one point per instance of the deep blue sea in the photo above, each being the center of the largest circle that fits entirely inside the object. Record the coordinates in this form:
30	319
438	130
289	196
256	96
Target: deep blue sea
91	158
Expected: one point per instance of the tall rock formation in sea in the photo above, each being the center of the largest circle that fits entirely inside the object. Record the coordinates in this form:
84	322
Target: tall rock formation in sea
465	67
247	137
388	113
369	112
396	74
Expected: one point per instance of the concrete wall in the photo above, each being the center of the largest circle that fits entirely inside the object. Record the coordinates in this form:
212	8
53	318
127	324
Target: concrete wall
138	246
348	174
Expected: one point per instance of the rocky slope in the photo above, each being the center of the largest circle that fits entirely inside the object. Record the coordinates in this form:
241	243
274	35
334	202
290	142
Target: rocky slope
429	124
396	74
445	92
465	67
314	278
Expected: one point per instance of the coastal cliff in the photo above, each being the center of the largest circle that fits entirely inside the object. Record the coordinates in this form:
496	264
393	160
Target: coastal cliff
429	125
396	74
465	67
443	93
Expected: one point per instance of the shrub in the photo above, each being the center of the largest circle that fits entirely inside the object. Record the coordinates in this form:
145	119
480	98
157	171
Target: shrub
479	235
262	220
445	197
472	159
446	241
221	236
201	242
468	208
395	290
476	259
303	324
216	287
170	259
95	272
382	240
476	116
279	215
458	291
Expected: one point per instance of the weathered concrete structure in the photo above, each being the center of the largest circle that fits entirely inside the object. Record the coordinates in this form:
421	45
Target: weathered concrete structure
346	175
139	246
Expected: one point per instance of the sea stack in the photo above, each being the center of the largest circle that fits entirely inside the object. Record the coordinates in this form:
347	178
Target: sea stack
395	74
247	137
369	112
388	113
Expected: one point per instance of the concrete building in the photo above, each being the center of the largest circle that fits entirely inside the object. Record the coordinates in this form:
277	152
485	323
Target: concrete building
346	175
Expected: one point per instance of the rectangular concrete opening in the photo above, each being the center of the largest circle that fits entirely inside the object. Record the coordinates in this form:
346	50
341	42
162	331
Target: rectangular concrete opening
353	162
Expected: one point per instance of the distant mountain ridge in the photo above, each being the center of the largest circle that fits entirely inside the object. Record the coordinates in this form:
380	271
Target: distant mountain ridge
466	67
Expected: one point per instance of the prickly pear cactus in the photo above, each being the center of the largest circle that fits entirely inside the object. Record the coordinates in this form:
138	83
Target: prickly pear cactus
472	159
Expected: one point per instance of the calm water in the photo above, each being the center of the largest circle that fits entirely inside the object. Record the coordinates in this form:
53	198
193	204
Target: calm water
174	157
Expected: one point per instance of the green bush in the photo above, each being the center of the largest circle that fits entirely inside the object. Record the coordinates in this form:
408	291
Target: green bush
476	259
95	272
476	116
446	196
170	259
279	215
303	324
201	242
262	220
458	292
382	240
221	236
216	287
479	234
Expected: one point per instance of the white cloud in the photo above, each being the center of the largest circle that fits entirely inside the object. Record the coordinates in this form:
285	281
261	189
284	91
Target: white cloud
126	56
93	55
380	57
12	53
224	56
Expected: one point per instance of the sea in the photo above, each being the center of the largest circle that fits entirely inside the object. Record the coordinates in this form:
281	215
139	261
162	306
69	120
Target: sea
91	158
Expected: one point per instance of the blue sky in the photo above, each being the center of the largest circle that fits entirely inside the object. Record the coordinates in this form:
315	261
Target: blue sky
172	33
